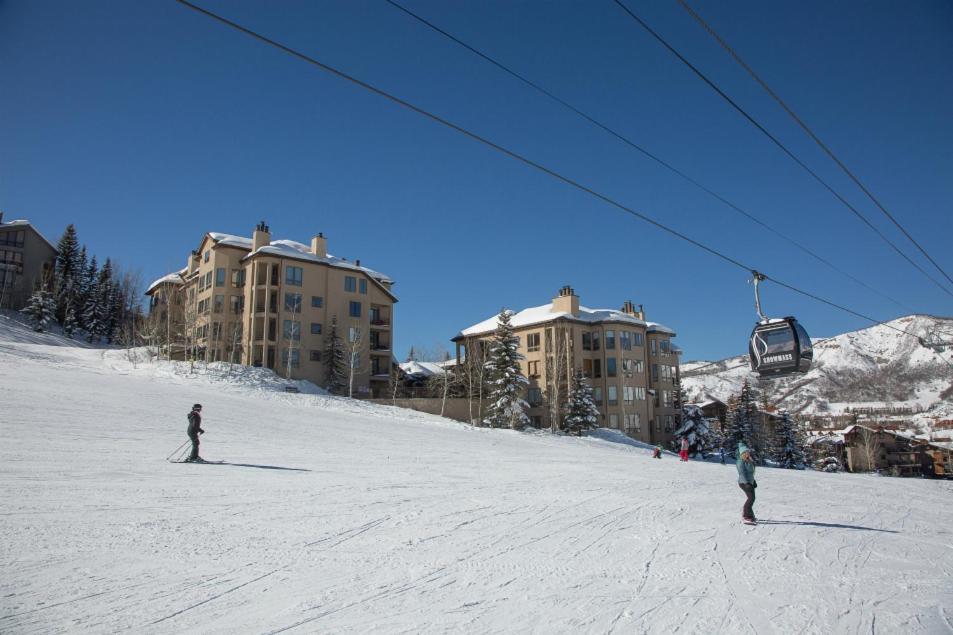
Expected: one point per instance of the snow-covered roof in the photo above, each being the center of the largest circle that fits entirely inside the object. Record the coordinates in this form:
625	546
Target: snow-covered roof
425	369
171	278
293	249
544	313
19	222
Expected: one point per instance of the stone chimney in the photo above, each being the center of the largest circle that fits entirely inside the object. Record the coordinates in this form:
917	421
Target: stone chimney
319	246
629	309
193	263
566	302
261	237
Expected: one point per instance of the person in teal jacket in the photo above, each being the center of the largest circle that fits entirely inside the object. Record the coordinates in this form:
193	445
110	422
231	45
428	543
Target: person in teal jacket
746	482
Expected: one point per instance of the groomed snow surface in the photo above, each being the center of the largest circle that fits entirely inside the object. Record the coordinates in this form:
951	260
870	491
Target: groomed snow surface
333	516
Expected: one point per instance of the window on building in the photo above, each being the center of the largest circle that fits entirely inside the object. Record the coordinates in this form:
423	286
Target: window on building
532	369
315	356
653	347
203	306
13	238
317	301
291	330
654	372
633	423
626	340
362	286
587	367
628	394
354	309
216	331
355	360
353	334
208	279
350	283
597	395
315	328
596	368
640	393
295	357
219	303
665	346
667	398
639	367
610	340
293	302
610	367
220	277
614	421
637	339
236	303
587	341
532	342
595	340
205	257
668	423
534	396
294	276
612	393
238	278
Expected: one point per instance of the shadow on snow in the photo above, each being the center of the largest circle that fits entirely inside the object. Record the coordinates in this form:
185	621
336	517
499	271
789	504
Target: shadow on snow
828	525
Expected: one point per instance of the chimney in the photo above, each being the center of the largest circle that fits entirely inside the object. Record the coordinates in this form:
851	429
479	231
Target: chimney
319	246
566	302
641	313
193	262
358	262
261	237
629	309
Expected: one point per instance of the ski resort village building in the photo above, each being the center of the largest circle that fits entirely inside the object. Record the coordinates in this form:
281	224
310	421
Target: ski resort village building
630	363
26	260
275	304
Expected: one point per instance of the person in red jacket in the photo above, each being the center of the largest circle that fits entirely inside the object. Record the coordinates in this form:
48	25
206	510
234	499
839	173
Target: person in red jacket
194	430
684	451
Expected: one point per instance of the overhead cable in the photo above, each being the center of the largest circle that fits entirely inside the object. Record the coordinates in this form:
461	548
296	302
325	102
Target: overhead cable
778	143
810	133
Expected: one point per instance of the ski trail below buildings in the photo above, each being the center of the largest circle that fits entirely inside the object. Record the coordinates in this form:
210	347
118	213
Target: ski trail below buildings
383	520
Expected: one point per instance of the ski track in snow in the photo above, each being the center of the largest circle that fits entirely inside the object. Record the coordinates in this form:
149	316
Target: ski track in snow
396	521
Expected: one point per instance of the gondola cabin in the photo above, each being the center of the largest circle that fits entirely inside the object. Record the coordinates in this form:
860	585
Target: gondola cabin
780	347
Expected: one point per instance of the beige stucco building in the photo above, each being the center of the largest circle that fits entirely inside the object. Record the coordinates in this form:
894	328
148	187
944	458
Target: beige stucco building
630	363
271	303
26	260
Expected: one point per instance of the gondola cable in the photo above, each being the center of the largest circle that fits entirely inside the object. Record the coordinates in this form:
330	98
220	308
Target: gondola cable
778	143
514	155
809	132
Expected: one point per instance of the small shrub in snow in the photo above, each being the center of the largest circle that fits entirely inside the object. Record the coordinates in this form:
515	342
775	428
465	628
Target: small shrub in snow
41	309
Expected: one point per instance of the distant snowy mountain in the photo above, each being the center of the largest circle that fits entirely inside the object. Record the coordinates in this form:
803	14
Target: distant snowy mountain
875	367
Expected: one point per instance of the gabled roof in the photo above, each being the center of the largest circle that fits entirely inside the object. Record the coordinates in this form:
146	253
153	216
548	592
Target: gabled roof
26	223
172	278
544	313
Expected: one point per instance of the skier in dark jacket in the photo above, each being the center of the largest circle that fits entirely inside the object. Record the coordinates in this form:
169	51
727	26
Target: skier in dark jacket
746	482
194	430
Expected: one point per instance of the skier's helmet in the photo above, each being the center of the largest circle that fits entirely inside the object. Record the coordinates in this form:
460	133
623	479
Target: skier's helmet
197	406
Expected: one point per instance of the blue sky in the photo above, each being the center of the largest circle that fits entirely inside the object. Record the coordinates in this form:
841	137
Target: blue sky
147	125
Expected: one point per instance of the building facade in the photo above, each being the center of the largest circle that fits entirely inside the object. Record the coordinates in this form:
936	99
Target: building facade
26	261
270	303
630	363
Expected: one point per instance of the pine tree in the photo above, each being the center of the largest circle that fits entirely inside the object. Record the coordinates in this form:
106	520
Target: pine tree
41	309
582	413
507	382
69	322
788	445
89	319
742	419
696	429
335	360
105	302
66	272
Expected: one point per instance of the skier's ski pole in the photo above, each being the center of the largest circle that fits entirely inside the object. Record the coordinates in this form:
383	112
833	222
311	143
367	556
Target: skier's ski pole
176	451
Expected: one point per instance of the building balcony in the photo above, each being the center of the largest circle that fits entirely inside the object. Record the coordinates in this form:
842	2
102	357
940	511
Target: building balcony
379	323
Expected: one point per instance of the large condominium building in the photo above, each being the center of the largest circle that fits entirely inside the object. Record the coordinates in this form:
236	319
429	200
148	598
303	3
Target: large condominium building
272	303
26	260
630	363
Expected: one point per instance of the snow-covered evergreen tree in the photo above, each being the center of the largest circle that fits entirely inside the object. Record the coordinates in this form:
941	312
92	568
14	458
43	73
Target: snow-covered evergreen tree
696	428
70	323
335	360
788	445
105	302
742	419
41	309
507	383
89	318
66	273
582	413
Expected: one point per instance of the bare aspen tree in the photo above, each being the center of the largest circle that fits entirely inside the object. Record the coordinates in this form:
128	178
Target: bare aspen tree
353	345
870	443
557	364
292	334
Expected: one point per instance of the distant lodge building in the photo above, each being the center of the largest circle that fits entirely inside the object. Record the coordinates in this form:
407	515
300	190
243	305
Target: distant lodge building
861	448
630	363
26	261
269	303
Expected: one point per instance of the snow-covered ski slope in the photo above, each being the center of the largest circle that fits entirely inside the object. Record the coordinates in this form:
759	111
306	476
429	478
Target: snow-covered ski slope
333	516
